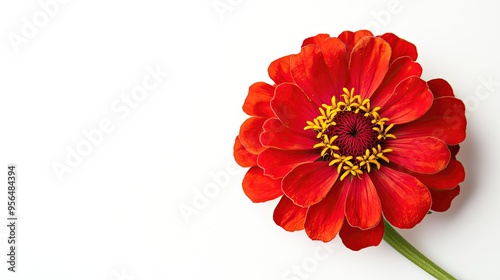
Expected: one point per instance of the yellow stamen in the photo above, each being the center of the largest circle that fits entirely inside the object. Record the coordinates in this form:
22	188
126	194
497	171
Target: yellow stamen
350	169
340	160
323	124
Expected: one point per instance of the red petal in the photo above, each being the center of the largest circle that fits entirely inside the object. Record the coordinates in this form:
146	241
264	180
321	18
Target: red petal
357	239
311	74
405	200
258	100
279	70
363	209
277	135
444	120
293	107
277	163
441	199
260	188
316	40
368	65
335	56
448	178
399	70
309	183
242	156
400	47
250	132
288	215
350	38
423	155
440	88
324	220
410	100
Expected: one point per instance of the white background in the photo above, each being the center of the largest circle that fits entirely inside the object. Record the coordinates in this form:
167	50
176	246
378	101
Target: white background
117	215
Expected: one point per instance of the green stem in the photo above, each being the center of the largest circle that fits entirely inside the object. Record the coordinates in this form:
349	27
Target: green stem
397	242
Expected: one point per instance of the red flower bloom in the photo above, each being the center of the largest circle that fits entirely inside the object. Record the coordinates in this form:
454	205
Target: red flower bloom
350	134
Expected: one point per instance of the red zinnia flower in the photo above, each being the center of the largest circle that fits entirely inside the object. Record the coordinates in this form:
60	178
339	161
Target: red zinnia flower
350	135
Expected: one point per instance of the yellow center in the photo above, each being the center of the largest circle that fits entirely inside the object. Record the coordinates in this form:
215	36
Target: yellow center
346	128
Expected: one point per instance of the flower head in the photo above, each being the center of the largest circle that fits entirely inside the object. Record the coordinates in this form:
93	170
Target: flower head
349	134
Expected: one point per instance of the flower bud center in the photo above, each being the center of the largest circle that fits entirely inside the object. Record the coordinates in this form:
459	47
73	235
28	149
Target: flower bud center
355	133
351	134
